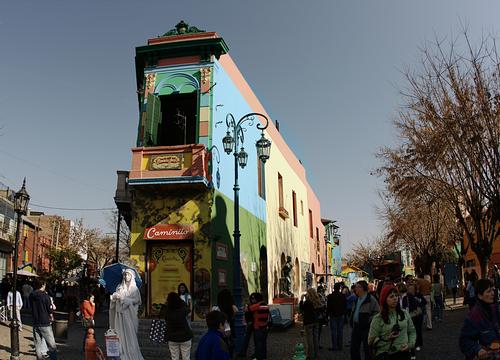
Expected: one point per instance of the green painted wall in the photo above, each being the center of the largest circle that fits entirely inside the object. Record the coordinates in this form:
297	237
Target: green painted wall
253	236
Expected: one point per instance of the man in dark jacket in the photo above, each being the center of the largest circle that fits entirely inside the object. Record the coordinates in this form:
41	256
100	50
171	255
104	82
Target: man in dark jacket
365	308
212	345
41	311
336	308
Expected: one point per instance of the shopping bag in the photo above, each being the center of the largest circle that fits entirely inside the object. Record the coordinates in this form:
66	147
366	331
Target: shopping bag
158	332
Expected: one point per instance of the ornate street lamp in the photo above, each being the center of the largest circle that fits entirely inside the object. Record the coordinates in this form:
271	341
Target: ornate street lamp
232	141
21	200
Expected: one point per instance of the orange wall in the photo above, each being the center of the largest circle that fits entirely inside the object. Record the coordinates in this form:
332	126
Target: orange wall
494	259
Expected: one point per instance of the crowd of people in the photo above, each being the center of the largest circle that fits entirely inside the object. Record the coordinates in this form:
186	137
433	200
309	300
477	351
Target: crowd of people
40	299
381	320
219	341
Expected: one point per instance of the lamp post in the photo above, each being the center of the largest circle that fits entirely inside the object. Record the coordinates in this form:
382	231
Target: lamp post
117	250
232	141
21	200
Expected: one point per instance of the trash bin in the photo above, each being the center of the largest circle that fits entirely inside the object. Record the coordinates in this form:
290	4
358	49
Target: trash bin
60	328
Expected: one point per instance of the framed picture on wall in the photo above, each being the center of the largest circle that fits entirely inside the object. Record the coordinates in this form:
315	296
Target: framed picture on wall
221	277
221	251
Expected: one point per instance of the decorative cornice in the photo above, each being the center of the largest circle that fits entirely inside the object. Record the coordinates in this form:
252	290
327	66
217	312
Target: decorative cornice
182	28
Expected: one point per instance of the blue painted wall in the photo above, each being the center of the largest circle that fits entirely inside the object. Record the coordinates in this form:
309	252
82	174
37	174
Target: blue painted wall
227	99
337	259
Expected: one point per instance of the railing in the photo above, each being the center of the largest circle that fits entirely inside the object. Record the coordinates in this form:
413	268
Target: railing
169	162
3	314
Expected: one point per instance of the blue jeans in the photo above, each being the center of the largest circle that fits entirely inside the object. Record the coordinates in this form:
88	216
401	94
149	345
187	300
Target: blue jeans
359	337
337	332
312	348
260	343
44	339
438	307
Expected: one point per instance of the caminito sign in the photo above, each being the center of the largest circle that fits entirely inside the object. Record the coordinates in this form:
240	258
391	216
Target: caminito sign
169	232
166	162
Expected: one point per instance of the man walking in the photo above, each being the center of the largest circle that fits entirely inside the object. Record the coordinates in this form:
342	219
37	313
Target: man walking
27	290
15	306
365	308
425	289
336	309
41	309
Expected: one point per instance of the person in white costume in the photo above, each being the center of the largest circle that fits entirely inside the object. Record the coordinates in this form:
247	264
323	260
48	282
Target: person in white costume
124	304
15	307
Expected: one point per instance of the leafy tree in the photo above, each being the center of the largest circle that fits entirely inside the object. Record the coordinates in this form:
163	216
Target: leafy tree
63	261
449	128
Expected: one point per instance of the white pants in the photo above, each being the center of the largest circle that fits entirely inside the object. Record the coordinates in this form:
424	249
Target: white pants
180	350
428	311
18	314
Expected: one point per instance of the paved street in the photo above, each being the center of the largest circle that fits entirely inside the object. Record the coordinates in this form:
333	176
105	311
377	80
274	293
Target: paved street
440	343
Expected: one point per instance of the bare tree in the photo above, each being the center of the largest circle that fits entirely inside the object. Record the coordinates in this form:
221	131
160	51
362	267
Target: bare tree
450	132
370	253
422	225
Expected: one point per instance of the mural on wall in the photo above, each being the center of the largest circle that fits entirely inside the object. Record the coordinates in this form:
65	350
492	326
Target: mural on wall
153	207
201	292
169	265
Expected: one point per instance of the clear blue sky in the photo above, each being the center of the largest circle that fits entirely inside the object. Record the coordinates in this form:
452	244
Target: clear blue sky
329	71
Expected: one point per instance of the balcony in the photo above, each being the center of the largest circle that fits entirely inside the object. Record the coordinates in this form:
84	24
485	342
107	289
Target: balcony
163	165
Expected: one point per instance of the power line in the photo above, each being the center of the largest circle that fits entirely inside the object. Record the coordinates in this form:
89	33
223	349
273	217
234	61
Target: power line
72	209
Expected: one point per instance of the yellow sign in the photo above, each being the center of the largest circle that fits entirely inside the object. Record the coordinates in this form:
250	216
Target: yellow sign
166	162
169	265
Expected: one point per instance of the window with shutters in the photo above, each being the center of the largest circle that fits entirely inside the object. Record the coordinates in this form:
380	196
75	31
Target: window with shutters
171	119
294	201
281	200
311	234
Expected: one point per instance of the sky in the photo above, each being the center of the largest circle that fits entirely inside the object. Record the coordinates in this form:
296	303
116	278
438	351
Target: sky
329	71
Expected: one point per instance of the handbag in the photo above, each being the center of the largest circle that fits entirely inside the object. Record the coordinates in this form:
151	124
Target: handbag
158	331
87	323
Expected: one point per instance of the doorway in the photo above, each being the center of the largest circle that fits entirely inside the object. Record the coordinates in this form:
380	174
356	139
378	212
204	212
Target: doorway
169	265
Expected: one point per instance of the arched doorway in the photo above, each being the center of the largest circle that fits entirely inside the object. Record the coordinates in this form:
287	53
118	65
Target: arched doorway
263	273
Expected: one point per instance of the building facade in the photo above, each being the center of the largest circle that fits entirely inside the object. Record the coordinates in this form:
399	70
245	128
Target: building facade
7	228
181	181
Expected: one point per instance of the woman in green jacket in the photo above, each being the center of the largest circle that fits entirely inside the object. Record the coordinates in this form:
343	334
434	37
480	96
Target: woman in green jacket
392	333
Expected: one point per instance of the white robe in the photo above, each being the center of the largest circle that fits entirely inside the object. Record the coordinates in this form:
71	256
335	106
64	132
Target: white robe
123	309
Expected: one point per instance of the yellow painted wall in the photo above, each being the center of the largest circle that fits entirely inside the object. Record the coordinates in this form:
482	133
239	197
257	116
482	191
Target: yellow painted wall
166	206
282	235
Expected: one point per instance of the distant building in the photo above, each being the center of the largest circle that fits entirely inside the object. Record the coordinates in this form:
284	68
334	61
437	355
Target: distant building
7	228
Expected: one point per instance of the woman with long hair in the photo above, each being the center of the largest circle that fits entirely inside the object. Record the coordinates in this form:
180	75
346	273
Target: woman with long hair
179	334
392	333
310	306
183	292
87	309
414	303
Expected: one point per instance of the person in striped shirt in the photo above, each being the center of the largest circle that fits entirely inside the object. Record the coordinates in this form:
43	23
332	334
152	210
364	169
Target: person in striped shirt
260	312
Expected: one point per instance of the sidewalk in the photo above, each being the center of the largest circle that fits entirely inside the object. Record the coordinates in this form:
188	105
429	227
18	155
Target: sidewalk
69	349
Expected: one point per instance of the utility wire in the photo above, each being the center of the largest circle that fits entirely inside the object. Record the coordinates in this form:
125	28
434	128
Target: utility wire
53	172
72	209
